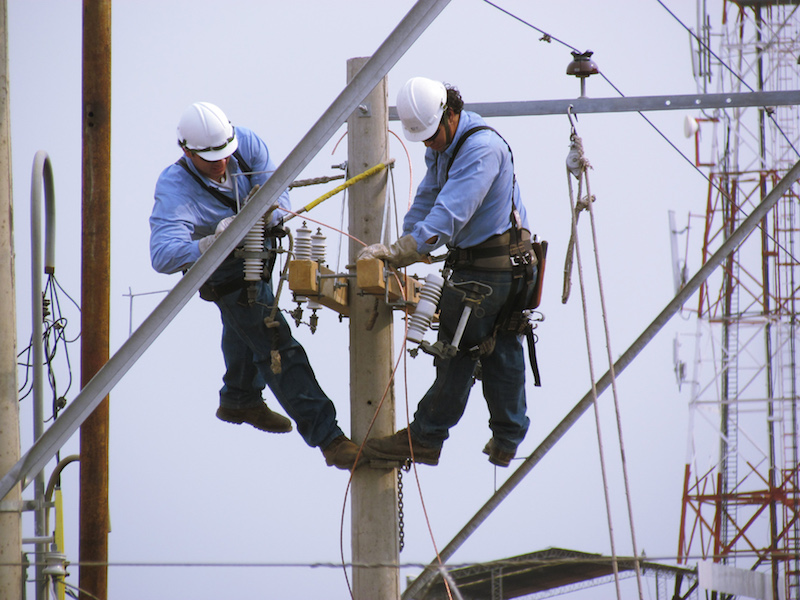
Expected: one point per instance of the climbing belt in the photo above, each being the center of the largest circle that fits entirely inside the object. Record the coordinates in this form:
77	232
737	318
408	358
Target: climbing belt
577	167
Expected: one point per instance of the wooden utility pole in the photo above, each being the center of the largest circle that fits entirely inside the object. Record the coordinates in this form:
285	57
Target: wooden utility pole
374	507
10	506
95	277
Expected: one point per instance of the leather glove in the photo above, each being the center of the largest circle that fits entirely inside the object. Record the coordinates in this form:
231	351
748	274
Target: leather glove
400	254
205	243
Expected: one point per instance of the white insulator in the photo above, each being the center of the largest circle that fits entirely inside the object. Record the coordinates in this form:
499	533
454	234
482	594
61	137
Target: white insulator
303	251
428	301
254	242
318	247
302	243
318	255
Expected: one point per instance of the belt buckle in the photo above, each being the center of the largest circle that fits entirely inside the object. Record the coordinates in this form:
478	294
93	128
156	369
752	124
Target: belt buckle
521	259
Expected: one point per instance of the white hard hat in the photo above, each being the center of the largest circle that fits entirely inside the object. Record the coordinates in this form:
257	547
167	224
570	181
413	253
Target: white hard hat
205	130
420	104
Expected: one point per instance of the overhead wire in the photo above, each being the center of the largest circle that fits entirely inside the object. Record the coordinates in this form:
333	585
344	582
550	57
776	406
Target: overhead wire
533	562
549	37
410	168
730	69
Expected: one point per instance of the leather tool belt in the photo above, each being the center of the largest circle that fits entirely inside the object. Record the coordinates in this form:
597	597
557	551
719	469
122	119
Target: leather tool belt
495	254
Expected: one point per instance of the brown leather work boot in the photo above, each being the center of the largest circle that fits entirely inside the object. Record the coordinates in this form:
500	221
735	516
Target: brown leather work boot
341	453
258	415
396	447
498	457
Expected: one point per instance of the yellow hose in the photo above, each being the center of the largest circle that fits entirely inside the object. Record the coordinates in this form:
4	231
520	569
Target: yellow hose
368	173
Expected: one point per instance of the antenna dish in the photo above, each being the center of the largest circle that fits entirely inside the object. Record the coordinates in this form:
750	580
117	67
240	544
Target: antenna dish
690	126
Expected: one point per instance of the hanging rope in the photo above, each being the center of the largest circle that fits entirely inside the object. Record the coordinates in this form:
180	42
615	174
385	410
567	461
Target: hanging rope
578	166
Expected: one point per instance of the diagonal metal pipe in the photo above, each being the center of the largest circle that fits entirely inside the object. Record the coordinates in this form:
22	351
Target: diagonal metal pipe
396	44
417	587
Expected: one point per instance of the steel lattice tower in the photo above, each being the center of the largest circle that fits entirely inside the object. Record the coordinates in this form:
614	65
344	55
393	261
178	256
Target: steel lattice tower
740	498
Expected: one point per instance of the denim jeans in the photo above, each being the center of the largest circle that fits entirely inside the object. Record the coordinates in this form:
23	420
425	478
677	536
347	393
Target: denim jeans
503	371
247	344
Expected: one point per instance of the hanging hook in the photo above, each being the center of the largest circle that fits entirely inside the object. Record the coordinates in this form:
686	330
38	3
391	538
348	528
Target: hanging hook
571	123
575	154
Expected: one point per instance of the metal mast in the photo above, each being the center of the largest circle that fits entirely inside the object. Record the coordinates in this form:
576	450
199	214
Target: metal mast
740	500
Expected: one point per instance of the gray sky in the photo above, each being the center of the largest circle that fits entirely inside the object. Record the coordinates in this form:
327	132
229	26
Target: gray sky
186	488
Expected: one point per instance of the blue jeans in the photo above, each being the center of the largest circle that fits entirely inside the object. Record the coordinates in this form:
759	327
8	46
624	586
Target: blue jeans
246	346
503	371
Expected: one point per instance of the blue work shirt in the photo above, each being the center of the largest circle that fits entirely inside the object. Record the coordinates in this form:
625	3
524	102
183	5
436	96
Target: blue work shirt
184	211
472	202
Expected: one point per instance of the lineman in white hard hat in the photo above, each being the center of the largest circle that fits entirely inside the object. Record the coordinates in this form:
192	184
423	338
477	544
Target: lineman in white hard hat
205	130
195	198
420	105
469	201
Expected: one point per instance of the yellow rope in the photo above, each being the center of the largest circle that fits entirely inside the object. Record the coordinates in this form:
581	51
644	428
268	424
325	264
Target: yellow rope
368	173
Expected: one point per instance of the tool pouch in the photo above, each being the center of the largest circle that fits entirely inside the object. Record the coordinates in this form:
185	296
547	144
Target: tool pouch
540	251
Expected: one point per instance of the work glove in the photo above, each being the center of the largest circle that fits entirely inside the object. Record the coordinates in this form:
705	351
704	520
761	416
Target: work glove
400	254
251	193
277	231
205	243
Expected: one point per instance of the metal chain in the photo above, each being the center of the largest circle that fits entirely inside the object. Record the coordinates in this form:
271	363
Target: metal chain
401	534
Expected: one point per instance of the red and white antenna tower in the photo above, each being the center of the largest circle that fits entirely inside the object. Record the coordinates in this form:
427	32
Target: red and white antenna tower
740	497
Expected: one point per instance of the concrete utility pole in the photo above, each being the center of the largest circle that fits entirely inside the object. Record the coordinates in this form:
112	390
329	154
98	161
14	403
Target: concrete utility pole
374	509
10	506
95	276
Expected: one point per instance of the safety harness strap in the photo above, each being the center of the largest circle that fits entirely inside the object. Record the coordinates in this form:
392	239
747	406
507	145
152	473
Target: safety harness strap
226	200
210	292
523	259
518	248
